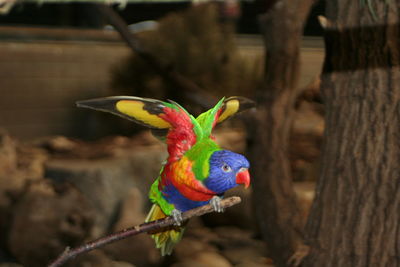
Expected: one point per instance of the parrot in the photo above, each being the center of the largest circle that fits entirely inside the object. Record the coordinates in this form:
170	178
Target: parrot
197	171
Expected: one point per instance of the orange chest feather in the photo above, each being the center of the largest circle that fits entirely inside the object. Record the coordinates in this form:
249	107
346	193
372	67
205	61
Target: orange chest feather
180	175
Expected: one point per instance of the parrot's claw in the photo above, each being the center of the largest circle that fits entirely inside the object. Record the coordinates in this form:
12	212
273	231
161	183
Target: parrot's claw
216	204
177	215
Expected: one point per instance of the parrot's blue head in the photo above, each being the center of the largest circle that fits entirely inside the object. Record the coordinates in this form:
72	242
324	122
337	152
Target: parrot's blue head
227	170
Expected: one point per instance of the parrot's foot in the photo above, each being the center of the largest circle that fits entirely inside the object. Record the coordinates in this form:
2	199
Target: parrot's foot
177	215
216	204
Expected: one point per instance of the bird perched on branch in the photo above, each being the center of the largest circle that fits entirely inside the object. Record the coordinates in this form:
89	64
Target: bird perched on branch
197	171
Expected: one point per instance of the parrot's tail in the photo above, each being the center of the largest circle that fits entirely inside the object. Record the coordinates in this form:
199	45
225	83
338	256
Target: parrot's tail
167	239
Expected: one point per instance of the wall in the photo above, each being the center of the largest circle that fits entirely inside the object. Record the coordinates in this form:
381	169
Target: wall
40	79
43	71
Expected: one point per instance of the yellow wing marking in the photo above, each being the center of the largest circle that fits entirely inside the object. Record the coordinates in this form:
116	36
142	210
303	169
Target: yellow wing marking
136	110
231	107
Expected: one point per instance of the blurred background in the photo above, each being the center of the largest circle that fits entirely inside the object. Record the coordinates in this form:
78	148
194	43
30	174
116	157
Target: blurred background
69	175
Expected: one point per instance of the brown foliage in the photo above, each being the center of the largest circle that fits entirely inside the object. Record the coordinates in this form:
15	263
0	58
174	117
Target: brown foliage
195	44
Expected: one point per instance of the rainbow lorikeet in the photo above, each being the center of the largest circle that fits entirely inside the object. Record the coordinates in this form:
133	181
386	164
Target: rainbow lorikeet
197	171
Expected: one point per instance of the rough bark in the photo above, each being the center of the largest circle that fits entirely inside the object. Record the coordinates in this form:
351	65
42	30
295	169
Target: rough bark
355	220
276	209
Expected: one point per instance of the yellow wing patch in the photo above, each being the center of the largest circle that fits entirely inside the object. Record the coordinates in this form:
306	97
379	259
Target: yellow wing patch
230	108
135	109
155	213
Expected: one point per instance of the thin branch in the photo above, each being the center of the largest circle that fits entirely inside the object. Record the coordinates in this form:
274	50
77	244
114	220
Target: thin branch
153	226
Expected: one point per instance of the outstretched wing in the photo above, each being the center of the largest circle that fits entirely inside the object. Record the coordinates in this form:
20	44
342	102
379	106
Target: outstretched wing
183	129
224	109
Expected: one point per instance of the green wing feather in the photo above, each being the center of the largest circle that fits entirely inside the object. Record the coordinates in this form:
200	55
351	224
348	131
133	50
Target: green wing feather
223	110
208	119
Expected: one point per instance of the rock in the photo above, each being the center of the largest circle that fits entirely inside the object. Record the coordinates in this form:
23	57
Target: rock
31	161
139	250
8	182
233	234
46	220
60	144
211	259
238	245
188	263
253	263
197	239
10	264
17	168
240	215
199	232
131	212
189	247
112	146
119	264
19	164
96	258
245	255
8	154
9	178
204	259
234	244
107	181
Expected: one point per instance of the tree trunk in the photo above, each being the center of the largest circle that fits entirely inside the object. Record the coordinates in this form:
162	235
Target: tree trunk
355	219
274	199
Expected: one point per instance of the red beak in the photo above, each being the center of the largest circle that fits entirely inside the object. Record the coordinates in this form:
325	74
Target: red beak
243	177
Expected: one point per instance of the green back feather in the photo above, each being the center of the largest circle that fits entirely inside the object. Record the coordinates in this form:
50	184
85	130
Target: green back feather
200	155
201	152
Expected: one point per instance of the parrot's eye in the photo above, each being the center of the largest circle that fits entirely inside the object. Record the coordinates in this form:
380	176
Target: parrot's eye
226	168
